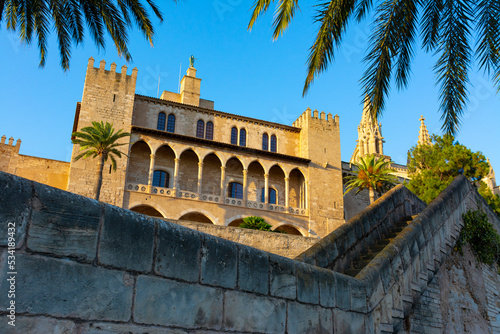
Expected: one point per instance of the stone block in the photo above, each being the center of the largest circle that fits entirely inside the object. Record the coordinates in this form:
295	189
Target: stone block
64	224
244	312
307	284
348	322
160	301
63	288
327	287
15	207
342	292
40	325
322	256
177	252
283	282
253	270
308	319
113	328
127	240
357	291
219	262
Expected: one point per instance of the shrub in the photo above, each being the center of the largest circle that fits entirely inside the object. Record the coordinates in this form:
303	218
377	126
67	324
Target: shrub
482	237
255	223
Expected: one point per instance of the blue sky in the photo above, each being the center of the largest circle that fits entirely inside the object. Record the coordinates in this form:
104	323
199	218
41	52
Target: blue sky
244	72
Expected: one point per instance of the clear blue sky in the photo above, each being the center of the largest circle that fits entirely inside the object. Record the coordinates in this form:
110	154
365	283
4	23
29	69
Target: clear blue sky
244	72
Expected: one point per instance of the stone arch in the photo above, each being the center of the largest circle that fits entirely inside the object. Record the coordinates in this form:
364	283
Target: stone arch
142	139
297	189
290	228
255	180
188	171
277	181
234	172
165	160
182	151
138	163
211	175
217	154
231	221
147	210
236	222
197	214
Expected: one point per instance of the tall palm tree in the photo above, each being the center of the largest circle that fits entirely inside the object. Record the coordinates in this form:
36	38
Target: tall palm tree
373	174
99	140
69	18
456	30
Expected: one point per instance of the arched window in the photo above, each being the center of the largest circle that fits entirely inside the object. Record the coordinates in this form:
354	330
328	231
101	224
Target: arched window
209	131
235	190
265	142
161	179
271	196
243	137
234	136
200	129
171	123
274	146
161	121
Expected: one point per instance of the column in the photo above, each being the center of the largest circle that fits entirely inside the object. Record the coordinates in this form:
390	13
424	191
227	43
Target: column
176	174
361	148
222	183
151	171
245	184
266	189
200	177
287	189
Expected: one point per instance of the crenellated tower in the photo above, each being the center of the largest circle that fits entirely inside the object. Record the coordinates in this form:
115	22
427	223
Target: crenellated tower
9	154
109	96
320	142
370	140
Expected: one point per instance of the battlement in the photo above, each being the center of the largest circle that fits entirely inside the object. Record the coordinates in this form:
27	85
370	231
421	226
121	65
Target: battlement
112	69
308	116
11	143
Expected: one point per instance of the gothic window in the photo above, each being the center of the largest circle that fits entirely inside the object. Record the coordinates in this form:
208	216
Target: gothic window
161	179
271	196
171	123
265	142
274	145
209	134
161	121
243	137
200	129
234	136
235	190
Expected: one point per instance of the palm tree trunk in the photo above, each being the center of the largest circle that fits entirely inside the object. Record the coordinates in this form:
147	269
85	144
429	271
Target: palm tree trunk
372	195
100	167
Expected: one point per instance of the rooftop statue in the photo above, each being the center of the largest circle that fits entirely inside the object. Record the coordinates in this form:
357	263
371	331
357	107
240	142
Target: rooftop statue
191	61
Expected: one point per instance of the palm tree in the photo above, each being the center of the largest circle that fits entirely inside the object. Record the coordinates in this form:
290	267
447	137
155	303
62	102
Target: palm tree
99	140
373	174
448	28
69	19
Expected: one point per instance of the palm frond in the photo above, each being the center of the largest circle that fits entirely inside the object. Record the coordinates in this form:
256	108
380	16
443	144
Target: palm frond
488	27
260	7
284	14
430	23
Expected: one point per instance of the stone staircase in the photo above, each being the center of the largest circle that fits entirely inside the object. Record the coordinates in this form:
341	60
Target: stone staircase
369	254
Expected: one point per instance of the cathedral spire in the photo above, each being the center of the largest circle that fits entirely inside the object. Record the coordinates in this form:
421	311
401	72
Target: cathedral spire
423	134
370	140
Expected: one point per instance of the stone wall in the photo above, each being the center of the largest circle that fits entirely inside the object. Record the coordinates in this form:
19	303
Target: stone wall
286	245
89	267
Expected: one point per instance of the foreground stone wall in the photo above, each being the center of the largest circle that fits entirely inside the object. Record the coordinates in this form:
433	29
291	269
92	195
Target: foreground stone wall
88	267
286	245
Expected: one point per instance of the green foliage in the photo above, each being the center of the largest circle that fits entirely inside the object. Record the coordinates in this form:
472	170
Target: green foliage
482	237
373	174
255	223
433	167
69	19
444	28
492	199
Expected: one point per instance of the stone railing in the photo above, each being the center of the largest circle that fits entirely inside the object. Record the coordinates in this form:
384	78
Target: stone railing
187	194
210	198
143	188
163	191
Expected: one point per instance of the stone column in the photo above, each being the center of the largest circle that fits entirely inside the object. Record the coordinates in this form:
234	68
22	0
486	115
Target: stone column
200	177
287	190
266	189
361	148
176	174
222	183
245	186
151	170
